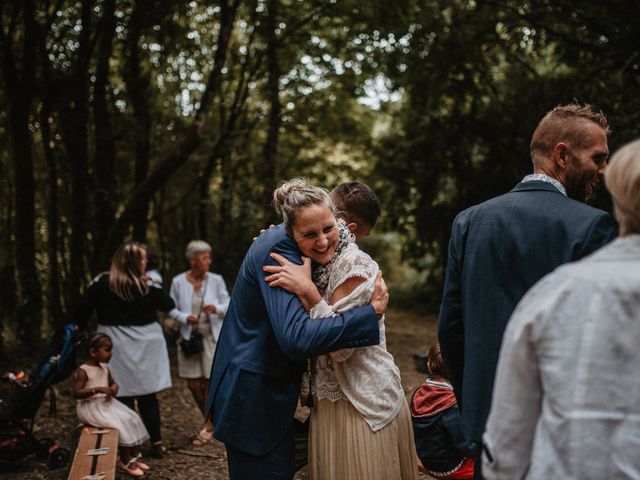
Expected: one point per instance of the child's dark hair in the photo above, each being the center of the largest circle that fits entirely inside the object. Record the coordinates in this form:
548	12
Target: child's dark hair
435	363
96	340
356	201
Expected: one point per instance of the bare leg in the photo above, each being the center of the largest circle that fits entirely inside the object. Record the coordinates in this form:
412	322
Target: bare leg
198	392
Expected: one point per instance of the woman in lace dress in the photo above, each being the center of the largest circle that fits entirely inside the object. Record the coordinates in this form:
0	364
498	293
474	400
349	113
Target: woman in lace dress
360	422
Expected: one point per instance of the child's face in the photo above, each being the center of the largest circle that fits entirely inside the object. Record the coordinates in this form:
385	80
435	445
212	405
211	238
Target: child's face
102	354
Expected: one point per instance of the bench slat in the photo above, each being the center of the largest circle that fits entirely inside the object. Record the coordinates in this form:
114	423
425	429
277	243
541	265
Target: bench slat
83	463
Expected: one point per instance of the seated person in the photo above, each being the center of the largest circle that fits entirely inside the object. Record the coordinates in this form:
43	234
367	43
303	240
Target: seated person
437	426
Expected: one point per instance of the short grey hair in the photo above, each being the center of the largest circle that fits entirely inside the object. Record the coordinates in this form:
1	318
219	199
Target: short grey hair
622	178
294	195
196	247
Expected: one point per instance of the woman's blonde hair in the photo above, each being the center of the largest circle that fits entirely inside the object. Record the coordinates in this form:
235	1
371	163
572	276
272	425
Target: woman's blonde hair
622	179
292	196
125	273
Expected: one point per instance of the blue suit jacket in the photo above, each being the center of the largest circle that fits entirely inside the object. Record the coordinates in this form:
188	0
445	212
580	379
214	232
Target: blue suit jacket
498	250
265	339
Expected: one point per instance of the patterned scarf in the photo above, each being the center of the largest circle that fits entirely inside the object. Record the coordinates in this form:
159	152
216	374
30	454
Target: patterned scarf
321	272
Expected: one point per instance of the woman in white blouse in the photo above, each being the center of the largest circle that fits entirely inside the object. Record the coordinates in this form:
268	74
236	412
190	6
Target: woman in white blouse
360	421
201	299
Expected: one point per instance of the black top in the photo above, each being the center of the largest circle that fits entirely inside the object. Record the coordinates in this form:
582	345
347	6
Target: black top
112	310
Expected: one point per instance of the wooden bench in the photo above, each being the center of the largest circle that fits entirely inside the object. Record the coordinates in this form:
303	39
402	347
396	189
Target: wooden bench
88	462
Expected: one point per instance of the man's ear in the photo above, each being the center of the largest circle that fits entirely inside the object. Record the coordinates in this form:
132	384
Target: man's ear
352	226
561	155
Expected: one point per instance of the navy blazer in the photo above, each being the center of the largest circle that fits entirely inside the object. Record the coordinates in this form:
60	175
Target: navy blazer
498	250
265	339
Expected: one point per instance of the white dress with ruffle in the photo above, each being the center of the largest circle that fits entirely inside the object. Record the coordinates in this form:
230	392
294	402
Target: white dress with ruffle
101	411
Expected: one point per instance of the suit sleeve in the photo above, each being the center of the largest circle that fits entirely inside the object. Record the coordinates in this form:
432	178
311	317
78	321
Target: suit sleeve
602	231
450	321
301	337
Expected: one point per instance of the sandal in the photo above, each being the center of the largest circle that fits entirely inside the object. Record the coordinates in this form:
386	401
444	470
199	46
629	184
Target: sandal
203	437
130	468
137	460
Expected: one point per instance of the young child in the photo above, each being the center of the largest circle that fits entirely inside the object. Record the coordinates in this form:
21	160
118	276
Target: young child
94	388
357	204
437	426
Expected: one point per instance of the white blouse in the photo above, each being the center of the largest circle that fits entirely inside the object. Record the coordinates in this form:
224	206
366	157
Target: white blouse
215	293
368	376
566	402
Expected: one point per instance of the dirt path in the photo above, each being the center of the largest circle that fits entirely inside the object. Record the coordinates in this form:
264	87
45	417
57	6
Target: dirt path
407	334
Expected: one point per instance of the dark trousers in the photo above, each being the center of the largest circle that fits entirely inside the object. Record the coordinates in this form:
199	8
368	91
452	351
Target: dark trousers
278	464
149	411
477	459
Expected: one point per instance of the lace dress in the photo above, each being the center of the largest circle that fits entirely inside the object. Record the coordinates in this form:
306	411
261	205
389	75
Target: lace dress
360	424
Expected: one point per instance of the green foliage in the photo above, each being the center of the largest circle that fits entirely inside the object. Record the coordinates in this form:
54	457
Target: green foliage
431	102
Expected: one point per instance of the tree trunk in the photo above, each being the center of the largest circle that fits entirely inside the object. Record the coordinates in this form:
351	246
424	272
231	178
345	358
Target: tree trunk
270	175
21	84
7	268
49	94
54	294
75	124
138	86
104	156
140	197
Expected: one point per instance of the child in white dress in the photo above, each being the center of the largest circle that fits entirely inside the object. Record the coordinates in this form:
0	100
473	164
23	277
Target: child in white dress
95	390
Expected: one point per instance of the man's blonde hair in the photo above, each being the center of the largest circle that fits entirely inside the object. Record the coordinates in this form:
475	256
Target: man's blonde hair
622	179
564	124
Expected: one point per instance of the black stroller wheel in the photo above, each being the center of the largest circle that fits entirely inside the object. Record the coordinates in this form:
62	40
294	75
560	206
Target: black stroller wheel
44	446
58	458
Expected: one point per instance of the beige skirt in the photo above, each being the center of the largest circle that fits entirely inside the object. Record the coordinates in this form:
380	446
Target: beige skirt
342	446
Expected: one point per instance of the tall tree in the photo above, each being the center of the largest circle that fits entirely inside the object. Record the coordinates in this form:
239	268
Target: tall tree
192	139
75	122
19	74
104	157
270	151
138	86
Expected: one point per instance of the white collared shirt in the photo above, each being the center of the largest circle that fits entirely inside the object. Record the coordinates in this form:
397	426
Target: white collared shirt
566	401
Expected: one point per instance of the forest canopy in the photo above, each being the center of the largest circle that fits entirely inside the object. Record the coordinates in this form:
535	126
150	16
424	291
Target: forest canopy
166	121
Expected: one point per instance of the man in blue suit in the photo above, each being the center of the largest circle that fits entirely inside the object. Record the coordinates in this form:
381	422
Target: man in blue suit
500	248
261	354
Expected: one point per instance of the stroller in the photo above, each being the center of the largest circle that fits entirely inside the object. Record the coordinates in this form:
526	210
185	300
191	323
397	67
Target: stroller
21	397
